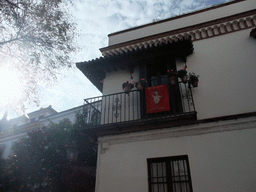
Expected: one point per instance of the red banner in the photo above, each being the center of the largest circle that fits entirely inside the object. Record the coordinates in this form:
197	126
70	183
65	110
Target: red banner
157	99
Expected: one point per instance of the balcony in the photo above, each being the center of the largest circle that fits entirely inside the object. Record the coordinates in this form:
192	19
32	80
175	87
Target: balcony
127	112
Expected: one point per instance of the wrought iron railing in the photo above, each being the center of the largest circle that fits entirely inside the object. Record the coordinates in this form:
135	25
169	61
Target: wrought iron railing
123	107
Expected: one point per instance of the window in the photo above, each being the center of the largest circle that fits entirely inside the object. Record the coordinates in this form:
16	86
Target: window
169	174
157	75
155	72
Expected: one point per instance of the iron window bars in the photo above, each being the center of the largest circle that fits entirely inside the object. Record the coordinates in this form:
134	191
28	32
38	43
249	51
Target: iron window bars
169	174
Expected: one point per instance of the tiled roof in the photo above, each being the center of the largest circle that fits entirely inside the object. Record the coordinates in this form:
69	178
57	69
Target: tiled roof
96	69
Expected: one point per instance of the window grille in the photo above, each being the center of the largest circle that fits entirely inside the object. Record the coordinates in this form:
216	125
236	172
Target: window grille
169	174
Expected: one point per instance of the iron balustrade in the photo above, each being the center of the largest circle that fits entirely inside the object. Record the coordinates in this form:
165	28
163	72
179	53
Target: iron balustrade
122	107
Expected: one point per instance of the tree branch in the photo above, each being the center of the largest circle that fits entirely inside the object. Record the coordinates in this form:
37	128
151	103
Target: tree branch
11	40
11	3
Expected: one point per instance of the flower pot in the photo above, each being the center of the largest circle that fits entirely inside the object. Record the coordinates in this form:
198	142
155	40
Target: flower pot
185	79
195	82
172	80
127	89
139	86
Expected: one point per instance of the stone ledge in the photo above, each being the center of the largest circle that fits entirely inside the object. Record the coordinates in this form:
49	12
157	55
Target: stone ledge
182	131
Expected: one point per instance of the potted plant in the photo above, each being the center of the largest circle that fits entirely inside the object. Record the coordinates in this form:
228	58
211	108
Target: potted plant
140	85
127	87
193	78
183	75
172	75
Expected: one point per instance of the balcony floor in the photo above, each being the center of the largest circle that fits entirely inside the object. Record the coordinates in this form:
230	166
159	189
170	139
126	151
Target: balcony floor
143	124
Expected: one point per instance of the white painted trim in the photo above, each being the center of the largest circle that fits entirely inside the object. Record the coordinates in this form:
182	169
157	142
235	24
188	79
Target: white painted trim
182	131
198	34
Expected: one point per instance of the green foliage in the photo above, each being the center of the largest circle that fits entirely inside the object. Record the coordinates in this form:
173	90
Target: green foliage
181	73
85	142
39	161
127	84
193	76
4	179
37	37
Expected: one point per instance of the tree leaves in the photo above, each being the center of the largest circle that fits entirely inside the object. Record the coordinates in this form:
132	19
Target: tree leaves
38	37
39	160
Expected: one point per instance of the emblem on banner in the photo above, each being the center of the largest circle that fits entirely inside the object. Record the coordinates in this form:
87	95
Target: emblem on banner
157	99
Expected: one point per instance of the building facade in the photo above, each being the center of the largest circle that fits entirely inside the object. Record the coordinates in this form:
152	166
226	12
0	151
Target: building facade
193	138
16	128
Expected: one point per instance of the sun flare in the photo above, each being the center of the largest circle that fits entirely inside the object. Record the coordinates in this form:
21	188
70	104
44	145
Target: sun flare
10	86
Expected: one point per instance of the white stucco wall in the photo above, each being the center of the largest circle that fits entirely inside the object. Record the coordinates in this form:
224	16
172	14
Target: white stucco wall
226	65
182	22
219	161
227	68
222	155
114	80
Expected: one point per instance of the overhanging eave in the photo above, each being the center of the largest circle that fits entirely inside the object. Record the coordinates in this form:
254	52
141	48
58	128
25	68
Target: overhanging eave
95	70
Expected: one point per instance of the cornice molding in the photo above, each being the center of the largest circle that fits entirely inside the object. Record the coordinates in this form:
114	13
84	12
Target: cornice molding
182	131
178	17
198	32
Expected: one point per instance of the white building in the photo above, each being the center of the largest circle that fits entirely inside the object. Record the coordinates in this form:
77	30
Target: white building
204	138
16	128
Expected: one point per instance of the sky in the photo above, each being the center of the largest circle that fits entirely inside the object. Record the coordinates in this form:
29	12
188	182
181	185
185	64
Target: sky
95	20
